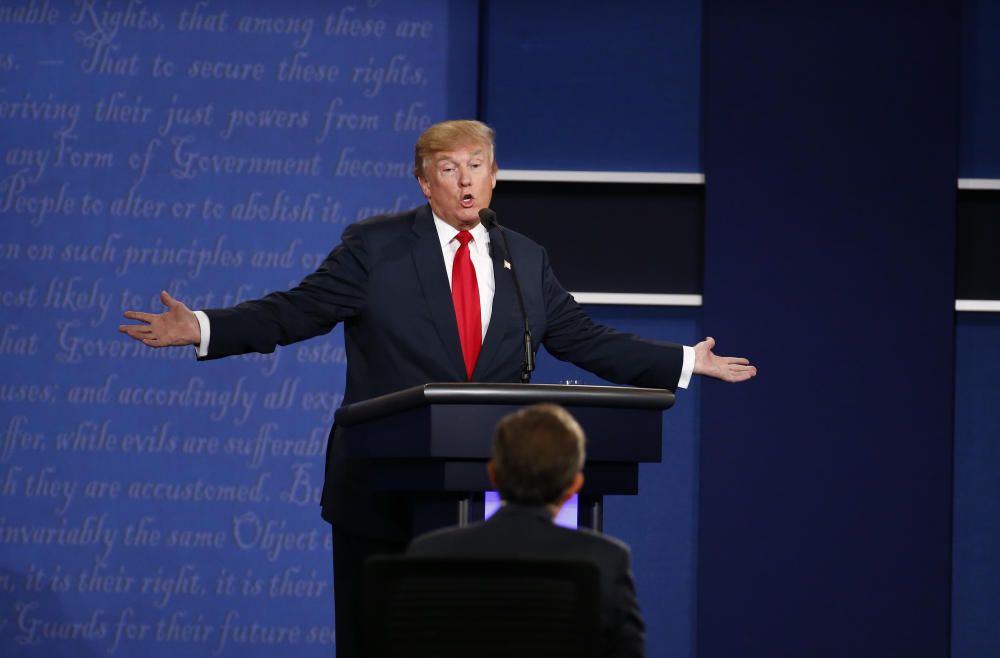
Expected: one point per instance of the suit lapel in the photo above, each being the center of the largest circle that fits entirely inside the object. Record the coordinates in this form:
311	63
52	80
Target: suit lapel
504	303
434	282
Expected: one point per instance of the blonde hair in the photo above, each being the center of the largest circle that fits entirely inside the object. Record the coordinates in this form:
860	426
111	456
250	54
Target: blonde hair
449	135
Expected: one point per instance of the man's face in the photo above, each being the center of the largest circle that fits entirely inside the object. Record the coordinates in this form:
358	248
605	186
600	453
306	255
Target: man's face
458	183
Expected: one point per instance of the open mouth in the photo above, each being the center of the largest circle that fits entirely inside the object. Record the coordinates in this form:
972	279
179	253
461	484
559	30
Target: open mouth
467	201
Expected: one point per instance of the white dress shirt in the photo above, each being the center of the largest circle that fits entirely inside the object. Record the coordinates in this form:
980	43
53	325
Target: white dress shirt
479	252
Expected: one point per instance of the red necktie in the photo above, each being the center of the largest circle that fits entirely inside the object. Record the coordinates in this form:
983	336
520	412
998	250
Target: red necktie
465	296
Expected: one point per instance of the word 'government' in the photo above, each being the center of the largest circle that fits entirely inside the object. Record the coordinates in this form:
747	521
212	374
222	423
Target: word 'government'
191	163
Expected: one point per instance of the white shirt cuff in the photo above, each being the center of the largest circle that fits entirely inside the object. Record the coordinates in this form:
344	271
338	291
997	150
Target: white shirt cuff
687	368
206	333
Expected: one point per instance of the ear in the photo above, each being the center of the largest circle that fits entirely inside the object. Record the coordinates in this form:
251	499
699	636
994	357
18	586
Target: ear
492	472
572	489
425	186
493	180
576	486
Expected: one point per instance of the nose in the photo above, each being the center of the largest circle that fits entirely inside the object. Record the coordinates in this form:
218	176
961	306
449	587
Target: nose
465	177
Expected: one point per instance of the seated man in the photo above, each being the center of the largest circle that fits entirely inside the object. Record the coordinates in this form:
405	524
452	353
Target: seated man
538	453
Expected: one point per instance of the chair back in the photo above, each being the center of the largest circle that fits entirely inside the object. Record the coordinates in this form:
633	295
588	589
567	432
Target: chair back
418	607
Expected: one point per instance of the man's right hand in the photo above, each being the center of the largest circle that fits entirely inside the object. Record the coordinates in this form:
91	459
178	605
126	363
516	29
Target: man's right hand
178	326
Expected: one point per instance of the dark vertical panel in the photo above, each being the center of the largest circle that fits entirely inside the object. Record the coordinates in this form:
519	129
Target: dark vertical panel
830	156
977	488
979	155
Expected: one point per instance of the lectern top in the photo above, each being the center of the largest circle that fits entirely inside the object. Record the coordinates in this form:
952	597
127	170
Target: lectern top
504	394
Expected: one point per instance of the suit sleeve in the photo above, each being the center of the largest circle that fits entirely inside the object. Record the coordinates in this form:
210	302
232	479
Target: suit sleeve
333	293
619	357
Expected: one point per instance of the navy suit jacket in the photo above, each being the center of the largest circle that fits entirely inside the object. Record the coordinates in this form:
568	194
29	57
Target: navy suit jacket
386	281
518	531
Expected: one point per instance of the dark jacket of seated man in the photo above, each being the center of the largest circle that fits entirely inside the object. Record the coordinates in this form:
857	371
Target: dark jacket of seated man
538	453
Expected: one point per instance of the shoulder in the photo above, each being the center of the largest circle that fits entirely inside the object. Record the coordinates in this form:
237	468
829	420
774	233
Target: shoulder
437	540
517	240
387	225
597	544
527	254
373	235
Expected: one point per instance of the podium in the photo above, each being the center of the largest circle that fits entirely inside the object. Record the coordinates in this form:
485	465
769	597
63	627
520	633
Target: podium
433	441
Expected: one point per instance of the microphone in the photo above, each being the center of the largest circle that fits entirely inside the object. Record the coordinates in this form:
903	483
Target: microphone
489	220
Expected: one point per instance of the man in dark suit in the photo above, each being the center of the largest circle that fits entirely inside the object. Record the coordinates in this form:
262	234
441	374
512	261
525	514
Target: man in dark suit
425	296
538	453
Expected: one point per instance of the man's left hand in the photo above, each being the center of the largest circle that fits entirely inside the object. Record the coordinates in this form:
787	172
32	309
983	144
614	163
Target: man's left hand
727	368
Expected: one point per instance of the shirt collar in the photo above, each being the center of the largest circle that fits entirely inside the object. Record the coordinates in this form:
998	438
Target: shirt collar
516	509
446	232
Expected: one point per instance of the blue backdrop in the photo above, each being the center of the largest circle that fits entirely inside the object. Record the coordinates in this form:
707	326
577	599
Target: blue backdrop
217	149
152	506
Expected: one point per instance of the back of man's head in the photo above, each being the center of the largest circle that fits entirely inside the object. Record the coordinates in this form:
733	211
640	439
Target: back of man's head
537	453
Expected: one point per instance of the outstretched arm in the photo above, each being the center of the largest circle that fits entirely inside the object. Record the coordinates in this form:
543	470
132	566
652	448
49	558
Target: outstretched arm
727	368
177	326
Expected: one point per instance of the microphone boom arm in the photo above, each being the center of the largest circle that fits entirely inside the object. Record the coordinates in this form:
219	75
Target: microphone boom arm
489	220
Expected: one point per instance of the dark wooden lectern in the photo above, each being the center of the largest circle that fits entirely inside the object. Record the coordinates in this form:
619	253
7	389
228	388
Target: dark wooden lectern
434	441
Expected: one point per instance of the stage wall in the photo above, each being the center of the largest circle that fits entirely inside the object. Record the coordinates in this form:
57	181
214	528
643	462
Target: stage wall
151	505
